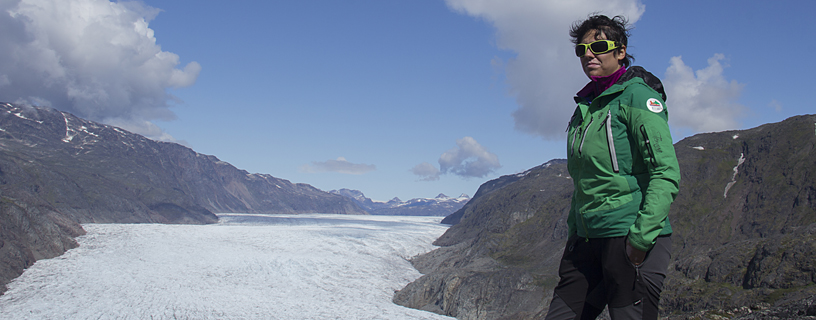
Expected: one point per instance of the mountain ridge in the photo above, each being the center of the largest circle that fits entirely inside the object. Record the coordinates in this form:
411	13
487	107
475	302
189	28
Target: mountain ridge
58	171
441	205
744	239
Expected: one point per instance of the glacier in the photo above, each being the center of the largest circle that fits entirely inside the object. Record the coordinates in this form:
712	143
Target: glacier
315	266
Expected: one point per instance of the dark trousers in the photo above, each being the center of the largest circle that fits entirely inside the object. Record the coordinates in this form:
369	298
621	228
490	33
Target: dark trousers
597	273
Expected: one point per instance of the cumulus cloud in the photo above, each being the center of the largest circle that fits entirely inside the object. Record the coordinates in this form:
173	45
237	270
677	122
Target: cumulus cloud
545	74
94	58
341	165
427	171
468	159
702	100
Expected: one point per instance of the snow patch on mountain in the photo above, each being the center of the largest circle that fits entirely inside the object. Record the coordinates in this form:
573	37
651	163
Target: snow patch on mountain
734	176
441	205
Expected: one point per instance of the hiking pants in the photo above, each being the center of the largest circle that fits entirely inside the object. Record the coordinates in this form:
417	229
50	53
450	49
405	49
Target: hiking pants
597	273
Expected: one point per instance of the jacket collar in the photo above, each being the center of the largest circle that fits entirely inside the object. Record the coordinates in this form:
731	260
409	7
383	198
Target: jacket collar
587	94
648	78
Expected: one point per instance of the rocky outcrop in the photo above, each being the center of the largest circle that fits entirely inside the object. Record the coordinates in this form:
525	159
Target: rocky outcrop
744	241
31	230
500	260
58	171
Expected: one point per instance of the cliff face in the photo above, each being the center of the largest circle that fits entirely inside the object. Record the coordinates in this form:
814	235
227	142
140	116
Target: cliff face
57	171
744	222
502	256
746	218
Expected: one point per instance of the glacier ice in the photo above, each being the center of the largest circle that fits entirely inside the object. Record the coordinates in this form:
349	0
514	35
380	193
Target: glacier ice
244	267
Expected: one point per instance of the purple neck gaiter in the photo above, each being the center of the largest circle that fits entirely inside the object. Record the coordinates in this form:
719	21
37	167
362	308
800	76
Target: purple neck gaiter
600	84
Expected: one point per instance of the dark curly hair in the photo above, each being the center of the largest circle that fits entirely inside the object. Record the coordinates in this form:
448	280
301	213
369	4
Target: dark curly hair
615	29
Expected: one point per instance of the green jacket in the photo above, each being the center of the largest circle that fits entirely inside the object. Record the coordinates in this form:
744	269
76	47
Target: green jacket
622	162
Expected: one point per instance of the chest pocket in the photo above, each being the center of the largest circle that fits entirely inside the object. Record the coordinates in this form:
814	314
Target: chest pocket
610	137
573	130
593	139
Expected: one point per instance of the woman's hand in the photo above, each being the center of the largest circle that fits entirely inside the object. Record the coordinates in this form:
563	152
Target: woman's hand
635	255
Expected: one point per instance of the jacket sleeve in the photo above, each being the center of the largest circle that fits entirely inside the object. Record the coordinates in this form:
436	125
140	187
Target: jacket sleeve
648	124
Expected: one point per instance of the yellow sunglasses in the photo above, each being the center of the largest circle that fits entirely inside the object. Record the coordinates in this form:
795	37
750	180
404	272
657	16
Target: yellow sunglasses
597	47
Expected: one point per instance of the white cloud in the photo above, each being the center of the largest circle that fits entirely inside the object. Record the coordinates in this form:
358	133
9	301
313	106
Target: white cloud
341	165
469	160
545	74
94	58
427	171
702	100
145	128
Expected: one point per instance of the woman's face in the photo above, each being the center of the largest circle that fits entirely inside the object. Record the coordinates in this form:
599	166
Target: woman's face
603	64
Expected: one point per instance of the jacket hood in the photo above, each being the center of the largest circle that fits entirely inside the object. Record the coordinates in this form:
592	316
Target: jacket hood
648	78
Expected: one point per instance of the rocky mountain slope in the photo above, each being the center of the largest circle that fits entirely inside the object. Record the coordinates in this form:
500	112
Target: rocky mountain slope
744	241
58	171
442	205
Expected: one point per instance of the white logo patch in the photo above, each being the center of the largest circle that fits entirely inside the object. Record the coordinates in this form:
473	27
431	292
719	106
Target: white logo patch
654	105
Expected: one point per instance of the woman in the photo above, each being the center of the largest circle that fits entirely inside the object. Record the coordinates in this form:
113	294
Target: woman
622	162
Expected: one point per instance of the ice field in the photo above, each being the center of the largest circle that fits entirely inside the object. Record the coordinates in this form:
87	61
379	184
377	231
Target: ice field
244	267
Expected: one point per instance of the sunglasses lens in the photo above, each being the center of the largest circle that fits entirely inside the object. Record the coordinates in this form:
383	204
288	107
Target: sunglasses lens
599	47
580	50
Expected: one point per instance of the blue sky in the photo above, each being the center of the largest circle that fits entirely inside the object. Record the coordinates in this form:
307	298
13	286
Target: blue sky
393	98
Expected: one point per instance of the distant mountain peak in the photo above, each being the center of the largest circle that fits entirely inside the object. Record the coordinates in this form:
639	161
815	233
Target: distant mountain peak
442	205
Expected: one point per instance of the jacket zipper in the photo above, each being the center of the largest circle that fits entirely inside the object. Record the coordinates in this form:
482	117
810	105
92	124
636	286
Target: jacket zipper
583	137
648	146
611	142
586	230
572	144
580	151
